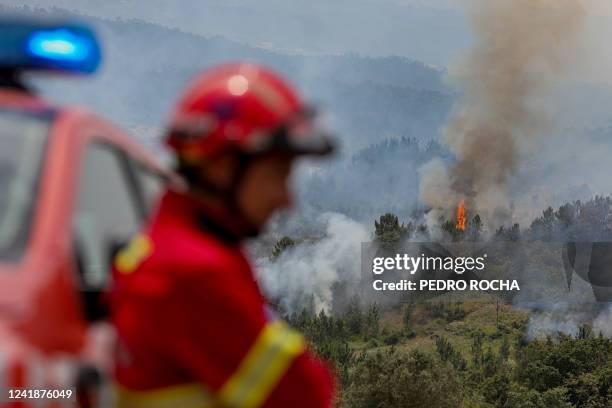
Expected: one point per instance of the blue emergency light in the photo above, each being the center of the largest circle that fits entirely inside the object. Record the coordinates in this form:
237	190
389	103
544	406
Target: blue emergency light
35	45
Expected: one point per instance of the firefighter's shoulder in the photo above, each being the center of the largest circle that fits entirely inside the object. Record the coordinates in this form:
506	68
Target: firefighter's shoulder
152	267
187	252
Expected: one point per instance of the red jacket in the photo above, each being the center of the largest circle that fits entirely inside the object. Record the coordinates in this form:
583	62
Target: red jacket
194	329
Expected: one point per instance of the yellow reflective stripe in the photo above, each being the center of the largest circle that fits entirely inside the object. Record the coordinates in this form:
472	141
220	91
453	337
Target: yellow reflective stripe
264	365
184	396
128	259
256	377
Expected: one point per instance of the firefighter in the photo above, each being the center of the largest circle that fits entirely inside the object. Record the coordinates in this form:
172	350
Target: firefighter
193	327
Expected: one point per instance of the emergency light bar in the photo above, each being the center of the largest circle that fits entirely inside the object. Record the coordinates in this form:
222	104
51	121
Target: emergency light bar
34	45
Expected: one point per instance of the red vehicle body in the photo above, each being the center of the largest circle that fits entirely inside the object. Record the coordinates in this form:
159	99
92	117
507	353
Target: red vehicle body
85	187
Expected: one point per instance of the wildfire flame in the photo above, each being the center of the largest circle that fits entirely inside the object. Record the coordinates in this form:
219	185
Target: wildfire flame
461	216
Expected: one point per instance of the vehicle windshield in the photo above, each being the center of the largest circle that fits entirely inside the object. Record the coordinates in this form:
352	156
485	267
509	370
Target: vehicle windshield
22	142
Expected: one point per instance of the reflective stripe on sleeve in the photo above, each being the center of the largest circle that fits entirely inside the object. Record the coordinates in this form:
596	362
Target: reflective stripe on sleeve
266	362
184	396
130	257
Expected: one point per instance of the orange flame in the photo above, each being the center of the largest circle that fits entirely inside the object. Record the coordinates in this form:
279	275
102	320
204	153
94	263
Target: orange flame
461	216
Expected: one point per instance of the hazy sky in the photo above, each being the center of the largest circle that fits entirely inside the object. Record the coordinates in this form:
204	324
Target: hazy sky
436	32
432	33
600	7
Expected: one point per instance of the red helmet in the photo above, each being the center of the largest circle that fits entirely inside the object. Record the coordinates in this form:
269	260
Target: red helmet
245	108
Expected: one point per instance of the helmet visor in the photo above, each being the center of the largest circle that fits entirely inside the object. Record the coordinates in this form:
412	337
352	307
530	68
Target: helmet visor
304	134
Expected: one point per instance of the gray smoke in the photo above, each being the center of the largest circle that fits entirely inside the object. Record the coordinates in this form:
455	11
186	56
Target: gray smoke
568	319
312	269
522	48
603	322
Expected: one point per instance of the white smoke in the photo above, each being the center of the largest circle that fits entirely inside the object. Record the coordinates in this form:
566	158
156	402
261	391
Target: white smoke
559	319
567	319
603	322
311	269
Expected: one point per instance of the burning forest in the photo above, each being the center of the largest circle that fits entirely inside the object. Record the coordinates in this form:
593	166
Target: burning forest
522	47
456	253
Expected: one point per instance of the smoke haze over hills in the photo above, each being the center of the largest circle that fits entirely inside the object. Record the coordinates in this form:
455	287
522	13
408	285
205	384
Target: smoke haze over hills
369	101
384	72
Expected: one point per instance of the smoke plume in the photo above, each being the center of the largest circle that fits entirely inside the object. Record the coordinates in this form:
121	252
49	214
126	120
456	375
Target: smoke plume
569	319
311	270
522	47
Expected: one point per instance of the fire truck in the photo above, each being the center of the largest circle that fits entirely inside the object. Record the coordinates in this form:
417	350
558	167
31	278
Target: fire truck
73	188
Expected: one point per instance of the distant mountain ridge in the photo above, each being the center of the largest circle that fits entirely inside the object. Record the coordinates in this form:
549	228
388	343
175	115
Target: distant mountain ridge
370	27
146	66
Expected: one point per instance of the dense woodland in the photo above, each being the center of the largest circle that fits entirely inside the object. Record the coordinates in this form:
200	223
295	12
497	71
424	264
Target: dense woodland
463	353
451	354
589	220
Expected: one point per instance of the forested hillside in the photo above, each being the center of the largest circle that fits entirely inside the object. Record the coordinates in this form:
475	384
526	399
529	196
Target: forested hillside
458	354
459	350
